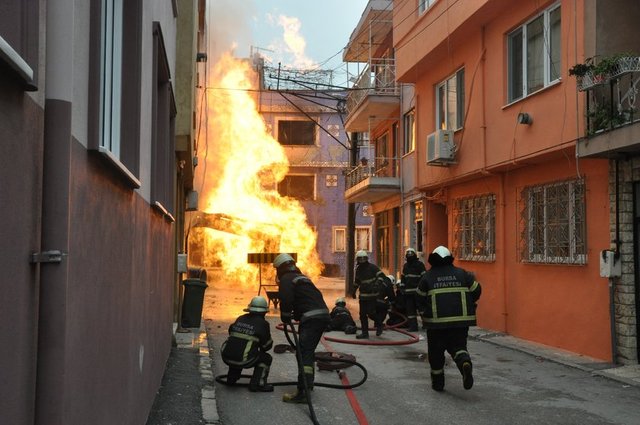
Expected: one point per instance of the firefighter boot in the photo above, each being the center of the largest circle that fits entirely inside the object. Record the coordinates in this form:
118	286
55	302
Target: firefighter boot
297	397
437	380
233	375
463	361
378	329
467	375
258	381
365	330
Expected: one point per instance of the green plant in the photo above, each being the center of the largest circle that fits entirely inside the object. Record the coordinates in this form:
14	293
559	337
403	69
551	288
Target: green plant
581	69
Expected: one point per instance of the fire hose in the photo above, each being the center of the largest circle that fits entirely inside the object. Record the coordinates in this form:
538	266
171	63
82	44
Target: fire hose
325	362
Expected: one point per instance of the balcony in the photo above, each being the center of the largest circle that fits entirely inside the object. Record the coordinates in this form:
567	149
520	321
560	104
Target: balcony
367	183
612	118
374	95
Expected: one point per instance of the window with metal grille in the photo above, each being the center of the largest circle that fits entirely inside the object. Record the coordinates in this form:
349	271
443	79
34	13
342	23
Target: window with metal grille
552	223
474	228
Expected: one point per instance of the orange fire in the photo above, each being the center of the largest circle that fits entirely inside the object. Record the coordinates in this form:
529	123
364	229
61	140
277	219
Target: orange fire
237	179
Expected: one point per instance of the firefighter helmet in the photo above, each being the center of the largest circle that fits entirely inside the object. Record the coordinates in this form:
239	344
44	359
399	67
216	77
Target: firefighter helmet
258	305
410	253
442	251
362	256
282	259
392	279
341	302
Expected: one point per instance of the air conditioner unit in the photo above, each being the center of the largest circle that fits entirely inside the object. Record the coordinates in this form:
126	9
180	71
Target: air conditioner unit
440	147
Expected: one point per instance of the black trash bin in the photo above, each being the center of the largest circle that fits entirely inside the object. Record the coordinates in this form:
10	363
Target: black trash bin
192	302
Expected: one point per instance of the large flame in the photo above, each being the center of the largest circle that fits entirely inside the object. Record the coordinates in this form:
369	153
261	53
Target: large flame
242	165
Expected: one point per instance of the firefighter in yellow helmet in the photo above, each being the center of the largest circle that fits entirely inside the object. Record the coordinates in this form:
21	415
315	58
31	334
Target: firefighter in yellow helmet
448	295
302	301
247	346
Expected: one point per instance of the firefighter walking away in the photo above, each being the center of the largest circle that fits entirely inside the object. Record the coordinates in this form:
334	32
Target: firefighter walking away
448	295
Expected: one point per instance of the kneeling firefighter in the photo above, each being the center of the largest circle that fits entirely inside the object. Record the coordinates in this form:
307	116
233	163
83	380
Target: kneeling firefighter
247	346
302	301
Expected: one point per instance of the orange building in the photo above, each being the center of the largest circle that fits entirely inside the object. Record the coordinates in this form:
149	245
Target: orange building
482	130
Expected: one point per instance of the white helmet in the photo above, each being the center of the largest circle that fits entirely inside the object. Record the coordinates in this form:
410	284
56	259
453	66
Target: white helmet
392	279
362	256
442	251
258	305
281	259
341	301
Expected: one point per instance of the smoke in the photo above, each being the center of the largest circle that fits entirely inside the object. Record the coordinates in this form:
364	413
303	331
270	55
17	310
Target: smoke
228	26
294	41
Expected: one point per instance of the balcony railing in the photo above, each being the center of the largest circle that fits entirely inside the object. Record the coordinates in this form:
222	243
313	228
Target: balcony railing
379	78
612	104
384	167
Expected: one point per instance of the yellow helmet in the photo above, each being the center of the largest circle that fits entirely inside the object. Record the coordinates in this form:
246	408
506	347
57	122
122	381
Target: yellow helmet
258	305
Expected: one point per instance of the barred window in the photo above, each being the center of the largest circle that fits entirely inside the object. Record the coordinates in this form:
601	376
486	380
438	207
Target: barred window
552	223
474	231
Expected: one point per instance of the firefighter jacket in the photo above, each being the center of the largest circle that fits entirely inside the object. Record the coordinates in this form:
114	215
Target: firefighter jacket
248	336
412	272
369	280
448	295
299	298
387	294
341	317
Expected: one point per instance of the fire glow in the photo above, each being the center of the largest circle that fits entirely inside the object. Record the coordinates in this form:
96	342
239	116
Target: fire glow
240	166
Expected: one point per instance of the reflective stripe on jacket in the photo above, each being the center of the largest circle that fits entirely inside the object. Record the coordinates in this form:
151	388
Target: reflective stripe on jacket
448	295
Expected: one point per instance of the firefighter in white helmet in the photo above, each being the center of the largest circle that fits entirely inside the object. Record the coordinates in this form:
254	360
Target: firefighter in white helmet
302	301
248	345
369	280
449	295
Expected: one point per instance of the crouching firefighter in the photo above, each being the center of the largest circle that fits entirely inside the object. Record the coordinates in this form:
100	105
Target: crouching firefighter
448	295
300	300
247	346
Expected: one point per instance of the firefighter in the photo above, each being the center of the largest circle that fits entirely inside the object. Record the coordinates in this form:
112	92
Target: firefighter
247	346
449	295
369	281
341	319
412	271
386	299
302	301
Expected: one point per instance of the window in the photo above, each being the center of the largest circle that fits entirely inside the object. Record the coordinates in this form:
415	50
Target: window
116	101
409	124
19	41
423	5
362	239
552	223
163	112
300	187
417	219
450	102
383	238
534	54
296	132
475	228
111	75
382	162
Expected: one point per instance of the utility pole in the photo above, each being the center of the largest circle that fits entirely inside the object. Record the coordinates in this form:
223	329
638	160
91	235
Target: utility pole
351	219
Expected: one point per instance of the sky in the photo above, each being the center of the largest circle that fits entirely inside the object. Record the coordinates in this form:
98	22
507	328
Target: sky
295	33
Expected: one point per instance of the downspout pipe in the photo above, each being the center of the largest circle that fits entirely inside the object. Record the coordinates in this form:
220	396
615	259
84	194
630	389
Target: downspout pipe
51	385
612	287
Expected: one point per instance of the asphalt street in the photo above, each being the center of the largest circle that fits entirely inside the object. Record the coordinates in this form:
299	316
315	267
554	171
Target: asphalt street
511	387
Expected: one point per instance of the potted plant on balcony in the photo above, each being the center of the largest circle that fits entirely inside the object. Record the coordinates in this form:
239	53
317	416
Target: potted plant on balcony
583	73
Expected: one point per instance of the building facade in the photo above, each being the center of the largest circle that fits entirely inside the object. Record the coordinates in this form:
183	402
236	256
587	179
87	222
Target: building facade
92	206
489	145
309	127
